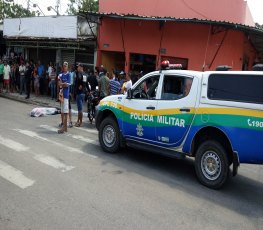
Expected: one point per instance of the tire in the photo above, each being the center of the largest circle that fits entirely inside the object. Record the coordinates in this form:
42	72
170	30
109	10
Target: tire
90	118
89	112
211	164
109	135
92	112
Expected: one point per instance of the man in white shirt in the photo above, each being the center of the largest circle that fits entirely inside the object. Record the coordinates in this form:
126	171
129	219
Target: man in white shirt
128	83
7	71
49	70
22	70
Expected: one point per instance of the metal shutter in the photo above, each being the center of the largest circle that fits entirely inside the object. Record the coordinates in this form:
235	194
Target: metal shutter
68	56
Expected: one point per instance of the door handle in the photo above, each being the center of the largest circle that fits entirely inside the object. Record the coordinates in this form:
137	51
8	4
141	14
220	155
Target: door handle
150	107
185	110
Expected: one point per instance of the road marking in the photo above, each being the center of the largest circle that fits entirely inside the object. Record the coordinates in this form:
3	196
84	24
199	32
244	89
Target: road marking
77	137
88	130
53	162
13	144
48	160
68	148
31	134
14	176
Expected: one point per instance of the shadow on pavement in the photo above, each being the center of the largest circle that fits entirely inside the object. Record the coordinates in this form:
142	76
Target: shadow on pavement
240	194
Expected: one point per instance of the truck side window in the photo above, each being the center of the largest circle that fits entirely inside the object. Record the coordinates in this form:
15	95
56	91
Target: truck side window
147	89
236	87
175	87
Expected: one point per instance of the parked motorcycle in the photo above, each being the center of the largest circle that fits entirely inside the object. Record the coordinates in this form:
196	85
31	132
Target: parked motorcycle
92	101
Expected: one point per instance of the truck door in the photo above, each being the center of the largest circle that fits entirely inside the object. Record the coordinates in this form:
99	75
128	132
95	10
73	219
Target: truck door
140	111
175	109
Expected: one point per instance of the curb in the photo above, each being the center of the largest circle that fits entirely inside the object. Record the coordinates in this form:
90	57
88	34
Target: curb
35	101
26	101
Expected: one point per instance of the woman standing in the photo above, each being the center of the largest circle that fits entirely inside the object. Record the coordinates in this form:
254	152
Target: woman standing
13	78
17	77
36	80
52	78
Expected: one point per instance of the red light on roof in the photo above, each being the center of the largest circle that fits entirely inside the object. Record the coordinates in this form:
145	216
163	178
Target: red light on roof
166	65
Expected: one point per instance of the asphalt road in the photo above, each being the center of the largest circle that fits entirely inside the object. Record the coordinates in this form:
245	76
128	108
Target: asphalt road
51	181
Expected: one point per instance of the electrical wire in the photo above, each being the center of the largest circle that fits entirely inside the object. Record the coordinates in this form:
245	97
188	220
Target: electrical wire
188	6
161	40
122	38
219	47
207	44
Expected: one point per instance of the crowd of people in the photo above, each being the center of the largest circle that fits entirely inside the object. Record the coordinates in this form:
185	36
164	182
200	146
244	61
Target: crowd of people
63	84
28	77
77	84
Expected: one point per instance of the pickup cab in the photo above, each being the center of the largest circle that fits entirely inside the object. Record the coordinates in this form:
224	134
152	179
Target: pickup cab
215	117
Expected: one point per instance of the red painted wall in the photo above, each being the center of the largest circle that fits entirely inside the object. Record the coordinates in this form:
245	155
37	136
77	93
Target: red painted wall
236	11
198	43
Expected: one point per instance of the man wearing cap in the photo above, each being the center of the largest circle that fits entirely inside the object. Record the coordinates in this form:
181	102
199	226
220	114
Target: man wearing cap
104	83
28	78
115	86
22	70
64	83
79	89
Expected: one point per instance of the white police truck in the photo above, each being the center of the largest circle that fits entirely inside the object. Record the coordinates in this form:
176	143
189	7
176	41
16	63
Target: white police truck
215	117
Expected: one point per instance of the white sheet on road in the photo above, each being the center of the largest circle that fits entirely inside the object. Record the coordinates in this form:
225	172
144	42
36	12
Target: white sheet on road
38	112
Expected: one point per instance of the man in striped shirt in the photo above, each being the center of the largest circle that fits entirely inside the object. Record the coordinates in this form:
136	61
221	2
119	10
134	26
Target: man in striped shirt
115	86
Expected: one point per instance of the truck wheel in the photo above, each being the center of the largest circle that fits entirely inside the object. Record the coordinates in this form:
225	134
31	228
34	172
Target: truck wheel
211	164
109	135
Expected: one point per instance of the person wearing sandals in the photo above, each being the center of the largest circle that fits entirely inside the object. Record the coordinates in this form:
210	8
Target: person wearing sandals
79	90
64	83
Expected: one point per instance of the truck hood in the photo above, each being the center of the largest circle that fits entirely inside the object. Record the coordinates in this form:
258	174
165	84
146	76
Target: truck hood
114	98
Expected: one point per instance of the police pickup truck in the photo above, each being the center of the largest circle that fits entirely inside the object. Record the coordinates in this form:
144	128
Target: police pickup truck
215	117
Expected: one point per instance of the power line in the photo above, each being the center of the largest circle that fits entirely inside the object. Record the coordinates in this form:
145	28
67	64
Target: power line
191	8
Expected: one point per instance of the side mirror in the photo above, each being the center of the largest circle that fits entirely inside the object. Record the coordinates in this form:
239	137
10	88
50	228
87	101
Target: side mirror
129	94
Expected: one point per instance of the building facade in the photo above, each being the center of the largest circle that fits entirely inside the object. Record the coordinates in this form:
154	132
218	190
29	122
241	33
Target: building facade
51	39
137	35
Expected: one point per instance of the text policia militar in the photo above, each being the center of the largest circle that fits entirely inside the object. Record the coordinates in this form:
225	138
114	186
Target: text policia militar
160	119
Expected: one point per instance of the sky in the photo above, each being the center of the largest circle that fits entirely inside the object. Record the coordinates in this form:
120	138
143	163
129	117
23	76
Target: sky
43	4
256	7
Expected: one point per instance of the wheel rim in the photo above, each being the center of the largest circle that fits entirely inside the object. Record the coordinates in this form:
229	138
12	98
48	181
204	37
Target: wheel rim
211	165
109	136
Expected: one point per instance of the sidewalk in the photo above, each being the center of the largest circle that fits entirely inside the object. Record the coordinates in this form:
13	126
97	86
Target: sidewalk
39	101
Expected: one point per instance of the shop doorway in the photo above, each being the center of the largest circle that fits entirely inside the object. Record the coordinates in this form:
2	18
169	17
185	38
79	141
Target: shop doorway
44	55
142	62
113	60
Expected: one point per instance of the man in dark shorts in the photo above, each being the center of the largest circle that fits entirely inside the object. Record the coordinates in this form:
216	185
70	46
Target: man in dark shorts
79	89
92	81
28	77
64	83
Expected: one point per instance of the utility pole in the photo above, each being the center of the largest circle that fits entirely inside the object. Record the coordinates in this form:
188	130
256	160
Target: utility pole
28	4
57	6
